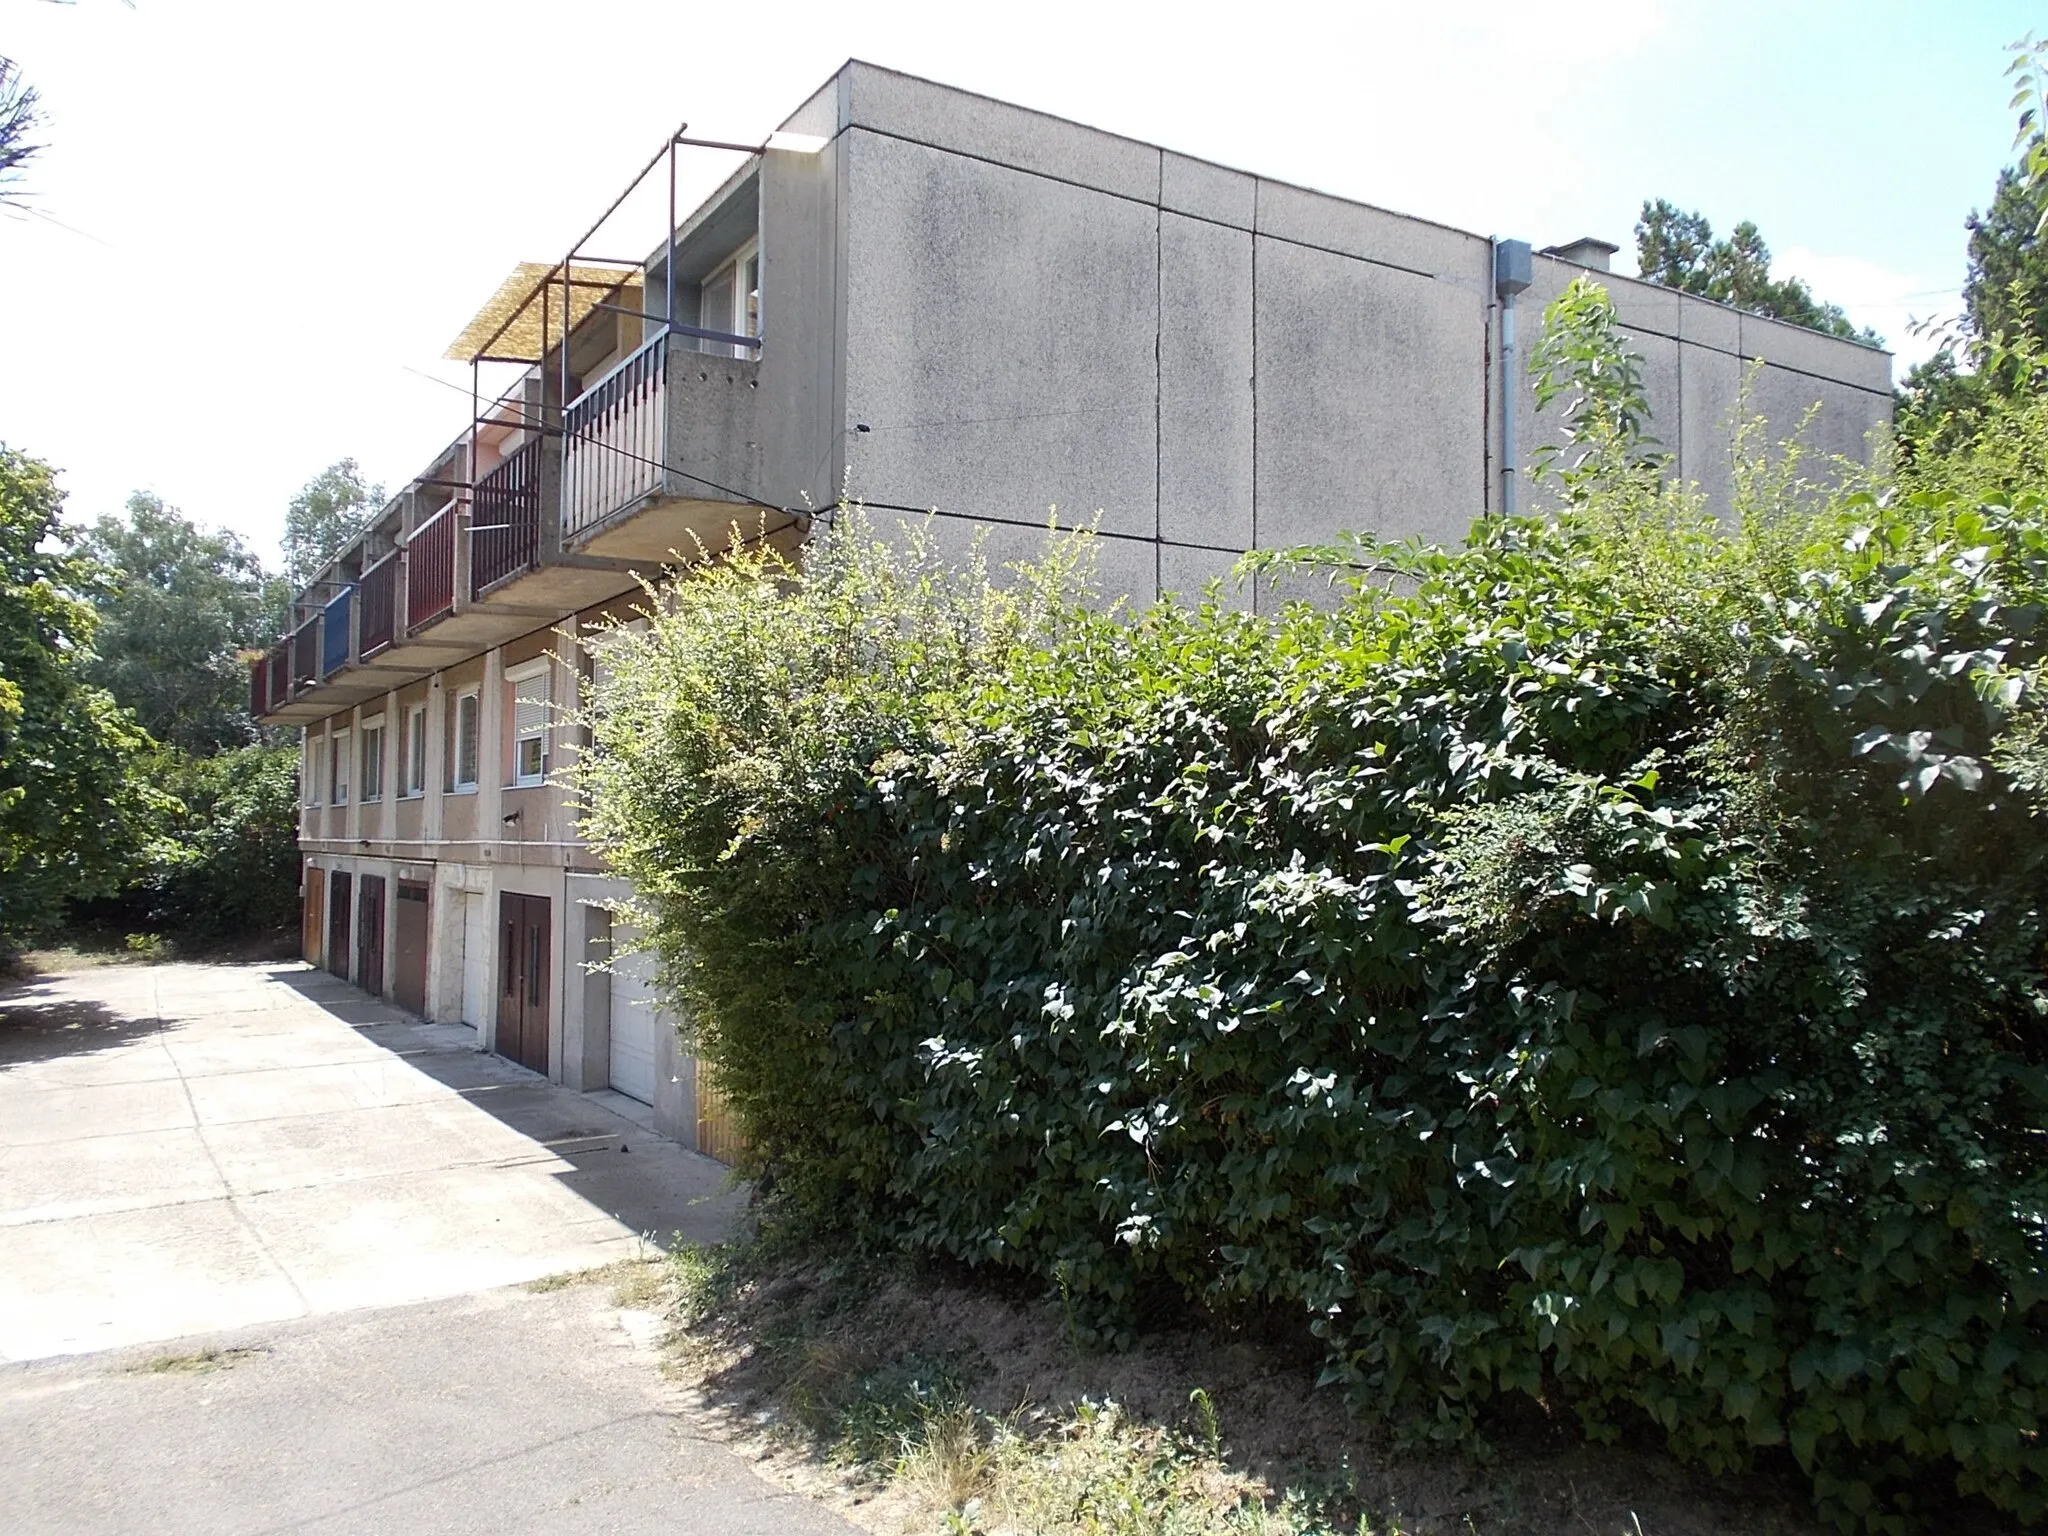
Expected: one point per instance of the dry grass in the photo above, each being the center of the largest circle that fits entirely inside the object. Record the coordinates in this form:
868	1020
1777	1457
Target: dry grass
917	1402
637	1283
196	1362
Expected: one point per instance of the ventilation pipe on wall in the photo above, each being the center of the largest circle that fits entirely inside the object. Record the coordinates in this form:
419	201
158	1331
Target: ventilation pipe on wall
1511	272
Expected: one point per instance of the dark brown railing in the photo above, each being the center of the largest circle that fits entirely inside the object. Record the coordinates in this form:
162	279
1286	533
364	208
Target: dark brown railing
278	666
504	520
378	592
305	644
430	569
616	439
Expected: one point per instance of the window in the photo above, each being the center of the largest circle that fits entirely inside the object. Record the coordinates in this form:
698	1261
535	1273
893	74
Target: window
462	751
337	767
372	776
528	690
416	750
730	300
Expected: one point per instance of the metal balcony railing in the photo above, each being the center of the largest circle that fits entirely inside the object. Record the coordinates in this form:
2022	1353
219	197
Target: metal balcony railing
616	439
305	659
504	520
379	589
277	668
334	636
430	569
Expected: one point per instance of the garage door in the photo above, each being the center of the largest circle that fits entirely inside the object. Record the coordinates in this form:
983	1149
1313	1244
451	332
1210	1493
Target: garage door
476	958
634	1022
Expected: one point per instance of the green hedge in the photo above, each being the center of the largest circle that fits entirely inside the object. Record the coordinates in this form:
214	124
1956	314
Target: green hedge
1602	963
221	862
229	865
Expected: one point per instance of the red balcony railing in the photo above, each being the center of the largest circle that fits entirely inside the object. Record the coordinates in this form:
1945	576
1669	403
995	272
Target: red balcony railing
430	569
378	593
504	520
617	437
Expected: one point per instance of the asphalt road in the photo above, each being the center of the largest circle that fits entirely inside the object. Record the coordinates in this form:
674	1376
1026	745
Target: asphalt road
261	1245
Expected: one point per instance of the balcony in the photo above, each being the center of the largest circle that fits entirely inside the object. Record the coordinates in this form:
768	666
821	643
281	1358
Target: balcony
505	522
270	687
617	440
430	570
305	655
336	650
379	591
651	449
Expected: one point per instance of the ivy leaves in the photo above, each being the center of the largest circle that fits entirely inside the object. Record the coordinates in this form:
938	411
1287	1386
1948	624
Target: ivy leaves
1602	966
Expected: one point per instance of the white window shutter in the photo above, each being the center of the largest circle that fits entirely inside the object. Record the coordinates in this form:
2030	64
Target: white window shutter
530	707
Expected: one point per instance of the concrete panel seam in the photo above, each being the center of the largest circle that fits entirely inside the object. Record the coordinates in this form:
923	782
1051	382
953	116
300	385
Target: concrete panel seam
1124	197
1370	261
1256	186
1159	378
1021	170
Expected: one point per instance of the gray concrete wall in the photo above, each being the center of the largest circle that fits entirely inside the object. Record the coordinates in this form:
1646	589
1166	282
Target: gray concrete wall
1034	314
1705	365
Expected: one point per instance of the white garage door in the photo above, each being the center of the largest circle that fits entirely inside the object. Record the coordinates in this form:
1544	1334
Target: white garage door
476	958
634	1022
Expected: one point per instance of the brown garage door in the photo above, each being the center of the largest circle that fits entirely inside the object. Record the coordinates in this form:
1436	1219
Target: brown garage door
409	968
524	972
341	905
370	937
312	926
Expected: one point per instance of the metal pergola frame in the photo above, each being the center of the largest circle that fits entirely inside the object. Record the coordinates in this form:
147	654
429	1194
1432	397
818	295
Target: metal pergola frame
565	271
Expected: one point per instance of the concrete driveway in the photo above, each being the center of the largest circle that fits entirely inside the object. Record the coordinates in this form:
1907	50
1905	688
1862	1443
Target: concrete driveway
186	1148
262	1160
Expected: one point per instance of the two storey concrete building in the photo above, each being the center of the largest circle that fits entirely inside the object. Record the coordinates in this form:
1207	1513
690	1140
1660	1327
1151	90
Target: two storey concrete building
933	300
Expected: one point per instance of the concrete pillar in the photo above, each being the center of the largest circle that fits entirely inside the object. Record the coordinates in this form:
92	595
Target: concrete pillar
490	753
432	821
587	992
394	770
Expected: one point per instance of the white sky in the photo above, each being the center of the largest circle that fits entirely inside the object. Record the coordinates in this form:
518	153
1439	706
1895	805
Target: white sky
260	224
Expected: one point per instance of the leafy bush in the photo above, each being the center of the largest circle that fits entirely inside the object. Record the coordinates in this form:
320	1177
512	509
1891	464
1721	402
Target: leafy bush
1601	963
70	807
225	864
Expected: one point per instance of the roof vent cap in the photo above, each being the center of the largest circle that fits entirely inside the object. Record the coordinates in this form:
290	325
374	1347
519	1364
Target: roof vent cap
1585	252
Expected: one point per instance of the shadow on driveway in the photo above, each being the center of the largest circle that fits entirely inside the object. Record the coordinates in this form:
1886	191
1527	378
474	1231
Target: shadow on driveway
38	1024
637	1176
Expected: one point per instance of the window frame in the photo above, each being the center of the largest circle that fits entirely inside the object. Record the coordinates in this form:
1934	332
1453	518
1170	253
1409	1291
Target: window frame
538	670
736	320
473	696
370	765
415	765
338	764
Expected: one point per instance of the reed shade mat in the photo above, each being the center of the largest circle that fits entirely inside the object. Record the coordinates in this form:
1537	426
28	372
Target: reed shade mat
518	306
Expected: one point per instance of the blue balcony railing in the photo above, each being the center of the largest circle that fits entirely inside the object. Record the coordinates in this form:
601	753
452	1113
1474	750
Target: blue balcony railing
334	636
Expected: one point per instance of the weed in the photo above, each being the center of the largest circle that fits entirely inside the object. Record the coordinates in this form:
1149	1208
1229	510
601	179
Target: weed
195	1362
635	1282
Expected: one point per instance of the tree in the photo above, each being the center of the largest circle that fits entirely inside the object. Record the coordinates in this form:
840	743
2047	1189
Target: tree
176	605
330	509
1993	351
1679	251
2006	291
74	813
20	117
